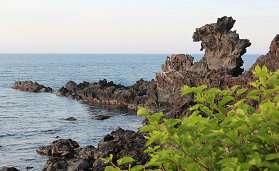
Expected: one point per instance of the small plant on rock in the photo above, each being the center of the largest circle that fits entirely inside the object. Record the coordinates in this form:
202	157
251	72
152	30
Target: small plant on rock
233	136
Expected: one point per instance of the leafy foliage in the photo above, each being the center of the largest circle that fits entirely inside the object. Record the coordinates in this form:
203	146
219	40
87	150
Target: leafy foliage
234	136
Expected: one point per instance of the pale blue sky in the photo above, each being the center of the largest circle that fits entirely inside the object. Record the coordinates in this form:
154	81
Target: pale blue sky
128	26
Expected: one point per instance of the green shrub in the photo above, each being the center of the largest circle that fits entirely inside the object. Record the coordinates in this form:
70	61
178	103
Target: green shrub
233	136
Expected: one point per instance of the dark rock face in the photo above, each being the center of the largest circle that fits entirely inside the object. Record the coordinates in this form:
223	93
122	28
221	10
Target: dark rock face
86	152
123	143
271	59
8	169
62	147
70	119
101	117
274	44
223	48
57	164
178	63
110	93
120	143
30	86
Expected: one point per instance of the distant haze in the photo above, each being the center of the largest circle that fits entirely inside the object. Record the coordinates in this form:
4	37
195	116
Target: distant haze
128	26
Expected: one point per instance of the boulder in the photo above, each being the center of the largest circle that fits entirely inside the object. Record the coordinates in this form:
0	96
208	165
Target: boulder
31	86
86	152
70	119
61	147
122	143
9	169
101	117
59	164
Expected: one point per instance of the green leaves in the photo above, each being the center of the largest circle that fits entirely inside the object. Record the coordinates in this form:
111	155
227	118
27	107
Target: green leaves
142	112
233	136
125	160
241	91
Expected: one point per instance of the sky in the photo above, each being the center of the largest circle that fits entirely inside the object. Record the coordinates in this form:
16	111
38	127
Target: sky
129	26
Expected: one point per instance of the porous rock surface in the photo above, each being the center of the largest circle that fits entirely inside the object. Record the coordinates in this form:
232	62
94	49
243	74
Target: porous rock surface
271	59
109	93
31	86
9	169
120	143
223	48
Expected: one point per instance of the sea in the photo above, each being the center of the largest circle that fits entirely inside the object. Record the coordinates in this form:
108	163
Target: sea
30	120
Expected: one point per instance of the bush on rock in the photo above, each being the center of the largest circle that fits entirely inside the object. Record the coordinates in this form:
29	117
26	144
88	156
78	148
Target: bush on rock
233	135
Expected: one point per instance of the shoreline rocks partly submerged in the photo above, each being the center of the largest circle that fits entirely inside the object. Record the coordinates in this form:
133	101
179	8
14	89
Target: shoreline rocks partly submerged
31	86
67	155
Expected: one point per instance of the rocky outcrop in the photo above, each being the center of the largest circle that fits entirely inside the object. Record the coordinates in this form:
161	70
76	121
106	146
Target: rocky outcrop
62	147
223	48
31	86
179	62
271	59
57	164
120	143
8	169
109	93
274	45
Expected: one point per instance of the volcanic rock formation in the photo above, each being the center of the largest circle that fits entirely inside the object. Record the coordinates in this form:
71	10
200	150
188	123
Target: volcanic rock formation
223	48
271	59
30	86
120	143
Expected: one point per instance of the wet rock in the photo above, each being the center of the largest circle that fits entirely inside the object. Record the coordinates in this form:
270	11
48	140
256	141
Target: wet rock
101	117
30	86
61	147
55	164
29	167
77	165
86	152
62	91
70	119
99	165
122	143
58	164
71	86
9	169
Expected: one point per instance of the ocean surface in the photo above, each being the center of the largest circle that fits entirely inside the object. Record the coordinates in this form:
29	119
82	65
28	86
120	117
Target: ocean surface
30	120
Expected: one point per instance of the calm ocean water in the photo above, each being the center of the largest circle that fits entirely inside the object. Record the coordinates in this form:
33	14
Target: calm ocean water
30	120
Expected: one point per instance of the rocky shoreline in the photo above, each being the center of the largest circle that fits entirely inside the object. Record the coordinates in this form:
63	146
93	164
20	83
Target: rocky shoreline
220	67
31	86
